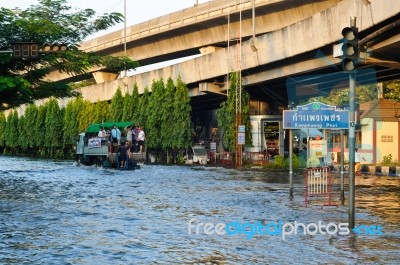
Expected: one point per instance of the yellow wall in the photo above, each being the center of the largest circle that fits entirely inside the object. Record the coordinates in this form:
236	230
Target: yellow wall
386	148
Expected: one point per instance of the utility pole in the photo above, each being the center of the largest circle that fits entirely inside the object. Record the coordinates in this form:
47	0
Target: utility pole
239	150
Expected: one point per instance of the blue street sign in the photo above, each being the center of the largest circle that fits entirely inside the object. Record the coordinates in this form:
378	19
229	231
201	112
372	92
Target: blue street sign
316	115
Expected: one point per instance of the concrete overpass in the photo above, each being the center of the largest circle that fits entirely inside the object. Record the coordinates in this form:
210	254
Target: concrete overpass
288	39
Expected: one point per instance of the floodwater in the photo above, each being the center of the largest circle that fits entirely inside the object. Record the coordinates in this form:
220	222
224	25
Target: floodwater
60	213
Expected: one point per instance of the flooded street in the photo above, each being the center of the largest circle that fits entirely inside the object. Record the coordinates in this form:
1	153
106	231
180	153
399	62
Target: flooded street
60	213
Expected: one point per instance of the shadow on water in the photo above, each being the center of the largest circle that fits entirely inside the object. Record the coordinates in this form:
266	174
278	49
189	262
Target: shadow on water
59	213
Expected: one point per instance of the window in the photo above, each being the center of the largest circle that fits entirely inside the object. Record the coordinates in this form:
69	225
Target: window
386	138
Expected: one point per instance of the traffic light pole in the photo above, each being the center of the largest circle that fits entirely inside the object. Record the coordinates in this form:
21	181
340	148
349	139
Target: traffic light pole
352	81
352	141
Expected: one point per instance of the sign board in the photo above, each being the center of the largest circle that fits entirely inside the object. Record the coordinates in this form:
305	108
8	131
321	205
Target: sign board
271	135
241	138
316	115
318	148
242	128
213	146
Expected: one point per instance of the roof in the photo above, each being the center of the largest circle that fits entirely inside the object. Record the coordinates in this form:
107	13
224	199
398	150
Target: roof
95	127
381	110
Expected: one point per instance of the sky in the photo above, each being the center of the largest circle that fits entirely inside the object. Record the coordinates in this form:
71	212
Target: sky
137	11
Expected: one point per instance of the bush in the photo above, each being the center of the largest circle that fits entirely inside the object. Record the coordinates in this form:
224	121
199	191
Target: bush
387	160
279	161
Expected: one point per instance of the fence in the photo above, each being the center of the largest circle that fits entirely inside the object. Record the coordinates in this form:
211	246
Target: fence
318	183
256	157
227	158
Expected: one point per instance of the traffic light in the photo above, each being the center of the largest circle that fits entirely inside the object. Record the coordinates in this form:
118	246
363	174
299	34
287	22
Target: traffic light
25	49
350	49
54	47
32	49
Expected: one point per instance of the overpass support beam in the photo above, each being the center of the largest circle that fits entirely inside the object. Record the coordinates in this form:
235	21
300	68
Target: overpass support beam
216	88
102	77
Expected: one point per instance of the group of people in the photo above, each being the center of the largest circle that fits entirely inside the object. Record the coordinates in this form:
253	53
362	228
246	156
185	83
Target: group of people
134	138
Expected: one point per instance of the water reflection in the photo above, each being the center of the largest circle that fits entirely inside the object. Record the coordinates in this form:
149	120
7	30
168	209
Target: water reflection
58	213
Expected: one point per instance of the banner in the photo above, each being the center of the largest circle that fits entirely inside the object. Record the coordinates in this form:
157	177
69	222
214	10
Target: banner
94	143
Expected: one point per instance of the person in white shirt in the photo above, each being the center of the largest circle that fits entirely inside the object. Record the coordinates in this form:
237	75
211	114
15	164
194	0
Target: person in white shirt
102	133
115	136
140	139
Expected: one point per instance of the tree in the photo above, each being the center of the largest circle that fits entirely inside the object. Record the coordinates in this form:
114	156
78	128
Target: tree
339	97
22	140
182	132
11	131
155	108
31	113
128	108
143	108
70	124
135	102
53	126
39	129
101	111
22	80
85	115
167	121
117	106
226	116
3	122
391	90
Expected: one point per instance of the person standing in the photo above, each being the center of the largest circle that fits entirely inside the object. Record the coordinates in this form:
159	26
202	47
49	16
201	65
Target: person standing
129	136
357	163
141	137
115	136
102	133
123	153
135	133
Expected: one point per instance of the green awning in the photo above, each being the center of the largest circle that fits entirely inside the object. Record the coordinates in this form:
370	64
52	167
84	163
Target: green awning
95	127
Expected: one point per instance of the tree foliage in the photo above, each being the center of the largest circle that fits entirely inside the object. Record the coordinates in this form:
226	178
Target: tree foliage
101	111
226	116
154	114
143	108
339	97
3	123
391	90
117	106
135	103
53	125
183	129
128	107
48	130
22	80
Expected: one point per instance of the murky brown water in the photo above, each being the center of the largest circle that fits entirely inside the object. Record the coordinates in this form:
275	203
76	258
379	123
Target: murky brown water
58	213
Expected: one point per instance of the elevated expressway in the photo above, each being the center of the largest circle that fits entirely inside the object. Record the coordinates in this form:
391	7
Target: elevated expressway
286	39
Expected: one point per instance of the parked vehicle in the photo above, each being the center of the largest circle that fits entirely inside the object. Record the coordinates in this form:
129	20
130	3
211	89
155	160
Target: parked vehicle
92	150
197	154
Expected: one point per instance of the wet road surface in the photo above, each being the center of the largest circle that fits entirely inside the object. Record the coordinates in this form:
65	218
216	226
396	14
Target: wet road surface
60	213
